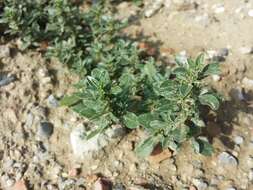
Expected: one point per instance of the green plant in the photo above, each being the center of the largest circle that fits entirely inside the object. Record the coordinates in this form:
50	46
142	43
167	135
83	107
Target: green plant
117	84
165	104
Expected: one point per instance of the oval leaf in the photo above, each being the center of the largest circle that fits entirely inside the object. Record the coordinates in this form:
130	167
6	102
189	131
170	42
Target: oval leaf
131	121
146	147
209	100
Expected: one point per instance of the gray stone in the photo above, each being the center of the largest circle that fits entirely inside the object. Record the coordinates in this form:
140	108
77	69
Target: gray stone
45	129
223	52
227	159
52	101
118	186
5	79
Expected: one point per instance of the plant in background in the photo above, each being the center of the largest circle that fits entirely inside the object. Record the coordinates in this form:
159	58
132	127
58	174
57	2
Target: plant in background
117	85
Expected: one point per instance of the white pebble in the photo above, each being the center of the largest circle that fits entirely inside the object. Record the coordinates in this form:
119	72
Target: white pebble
245	50
219	8
238	140
250	13
216	78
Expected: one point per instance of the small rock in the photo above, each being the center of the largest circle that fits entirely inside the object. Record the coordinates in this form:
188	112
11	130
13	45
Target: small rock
74	172
45	80
237	94
52	101
167	3
251	175
238	140
4	51
227	159
82	147
231	188
247	82
159	155
192	188
101	184
223	52
216	78
119	186
29	120
9	182
218	8
20	185
5	79
153	8
45	129
246	50
250	12
200	184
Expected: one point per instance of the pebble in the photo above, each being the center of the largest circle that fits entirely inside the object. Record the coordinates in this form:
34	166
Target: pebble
227	159
20	185
200	184
246	50
250	12
101	185
251	174
45	129
4	51
238	140
247	82
52	101
5	80
9	182
216	78
81	146
237	94
118	186
223	52
153	8
218	8
231	188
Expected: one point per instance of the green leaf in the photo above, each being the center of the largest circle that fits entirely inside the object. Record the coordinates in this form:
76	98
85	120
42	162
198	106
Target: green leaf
198	122
185	89
209	100
69	100
101	75
131	120
146	147
146	118
202	146
150	70
200	59
93	133
195	145
211	69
